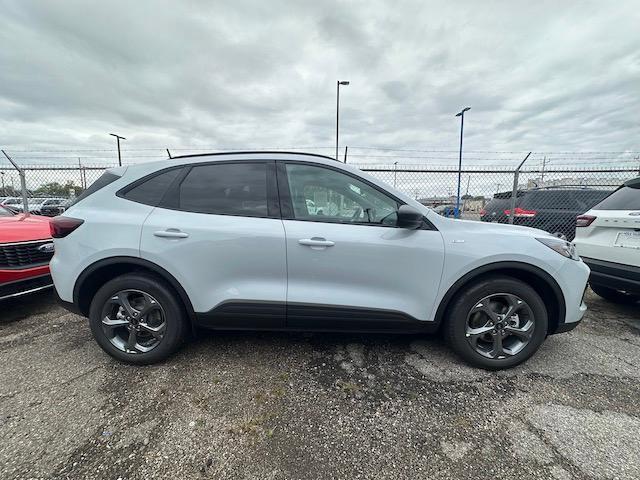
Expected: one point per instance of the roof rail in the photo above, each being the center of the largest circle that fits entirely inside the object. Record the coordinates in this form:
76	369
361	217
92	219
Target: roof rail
253	152
575	187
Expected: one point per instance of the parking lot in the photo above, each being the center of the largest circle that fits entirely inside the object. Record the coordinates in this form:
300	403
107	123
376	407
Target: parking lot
271	405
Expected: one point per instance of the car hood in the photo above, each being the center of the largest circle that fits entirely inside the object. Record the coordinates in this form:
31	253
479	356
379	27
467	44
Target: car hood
24	228
476	227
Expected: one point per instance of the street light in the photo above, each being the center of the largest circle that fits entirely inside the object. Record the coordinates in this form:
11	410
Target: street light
460	114
338	83
118	137
395	173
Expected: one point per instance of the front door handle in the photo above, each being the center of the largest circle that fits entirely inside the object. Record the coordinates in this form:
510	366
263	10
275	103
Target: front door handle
171	233
316	242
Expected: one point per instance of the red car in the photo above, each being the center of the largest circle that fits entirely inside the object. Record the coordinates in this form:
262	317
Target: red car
25	250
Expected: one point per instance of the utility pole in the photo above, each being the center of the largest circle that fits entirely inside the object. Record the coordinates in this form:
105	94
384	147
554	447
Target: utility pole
118	138
544	162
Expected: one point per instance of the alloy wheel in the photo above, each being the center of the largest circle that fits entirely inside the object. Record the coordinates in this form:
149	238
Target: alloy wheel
500	325
133	321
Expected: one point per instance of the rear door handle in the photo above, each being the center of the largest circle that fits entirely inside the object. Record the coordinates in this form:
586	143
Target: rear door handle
316	242
171	233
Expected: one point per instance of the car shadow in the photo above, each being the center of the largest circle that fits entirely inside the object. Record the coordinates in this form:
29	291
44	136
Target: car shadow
19	308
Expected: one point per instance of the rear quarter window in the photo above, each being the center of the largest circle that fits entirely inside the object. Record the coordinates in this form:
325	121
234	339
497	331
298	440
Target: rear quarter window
625	198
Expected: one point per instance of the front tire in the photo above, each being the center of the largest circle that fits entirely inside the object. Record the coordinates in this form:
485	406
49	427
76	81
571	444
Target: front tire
615	296
136	318
496	323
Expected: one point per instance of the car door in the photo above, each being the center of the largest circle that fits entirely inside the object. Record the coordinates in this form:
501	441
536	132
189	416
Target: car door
348	265
218	232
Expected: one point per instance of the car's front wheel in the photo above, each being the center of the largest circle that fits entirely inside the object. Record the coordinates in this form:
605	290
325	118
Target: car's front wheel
498	322
136	318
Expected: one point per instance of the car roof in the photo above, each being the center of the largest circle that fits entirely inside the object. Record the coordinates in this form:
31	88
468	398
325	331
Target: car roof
149	167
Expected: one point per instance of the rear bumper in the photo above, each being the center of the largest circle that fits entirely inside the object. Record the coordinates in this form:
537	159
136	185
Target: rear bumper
614	275
25	286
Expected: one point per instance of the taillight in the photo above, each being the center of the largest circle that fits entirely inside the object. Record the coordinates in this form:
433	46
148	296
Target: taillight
584	220
521	212
60	227
483	212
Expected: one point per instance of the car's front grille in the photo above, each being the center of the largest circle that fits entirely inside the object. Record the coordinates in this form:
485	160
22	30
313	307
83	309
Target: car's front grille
25	254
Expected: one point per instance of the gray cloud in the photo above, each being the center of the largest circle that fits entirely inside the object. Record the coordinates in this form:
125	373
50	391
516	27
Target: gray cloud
542	76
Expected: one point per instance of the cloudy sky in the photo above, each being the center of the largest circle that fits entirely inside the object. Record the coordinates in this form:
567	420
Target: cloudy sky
546	76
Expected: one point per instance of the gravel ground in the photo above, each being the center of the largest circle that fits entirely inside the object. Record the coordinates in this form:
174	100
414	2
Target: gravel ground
276	406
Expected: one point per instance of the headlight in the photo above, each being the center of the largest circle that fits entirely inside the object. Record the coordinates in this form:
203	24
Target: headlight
564	248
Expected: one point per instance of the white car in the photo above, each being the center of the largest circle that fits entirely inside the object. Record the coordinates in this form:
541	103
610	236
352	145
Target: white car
151	251
608	240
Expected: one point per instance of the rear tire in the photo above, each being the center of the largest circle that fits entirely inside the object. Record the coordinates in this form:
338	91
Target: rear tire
615	296
496	323
136	318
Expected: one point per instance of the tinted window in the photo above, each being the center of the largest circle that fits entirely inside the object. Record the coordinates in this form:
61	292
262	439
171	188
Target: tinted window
588	198
323	194
227	189
5	213
150	192
551	200
105	179
625	198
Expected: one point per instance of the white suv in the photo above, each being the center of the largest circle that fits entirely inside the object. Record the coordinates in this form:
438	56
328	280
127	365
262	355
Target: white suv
152	251
608	239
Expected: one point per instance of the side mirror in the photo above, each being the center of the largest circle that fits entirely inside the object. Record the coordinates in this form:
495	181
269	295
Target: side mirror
409	217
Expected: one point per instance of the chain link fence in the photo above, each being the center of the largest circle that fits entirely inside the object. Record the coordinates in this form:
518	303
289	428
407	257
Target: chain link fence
546	199
549	200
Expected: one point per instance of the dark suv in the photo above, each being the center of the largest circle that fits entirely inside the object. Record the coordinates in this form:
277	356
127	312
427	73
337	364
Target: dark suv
553	209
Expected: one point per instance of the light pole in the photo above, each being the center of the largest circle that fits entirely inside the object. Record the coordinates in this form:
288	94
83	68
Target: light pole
118	138
460	114
338	83
395	173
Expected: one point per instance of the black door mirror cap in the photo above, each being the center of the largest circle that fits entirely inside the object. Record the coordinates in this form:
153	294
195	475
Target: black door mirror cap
409	217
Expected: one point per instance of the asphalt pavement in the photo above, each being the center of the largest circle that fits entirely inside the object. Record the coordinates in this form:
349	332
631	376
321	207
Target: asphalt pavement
296	406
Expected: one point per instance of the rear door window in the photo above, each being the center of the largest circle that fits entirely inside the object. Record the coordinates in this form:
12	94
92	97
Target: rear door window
225	189
151	191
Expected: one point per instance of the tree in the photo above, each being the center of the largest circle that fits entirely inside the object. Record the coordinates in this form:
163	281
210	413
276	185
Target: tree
55	189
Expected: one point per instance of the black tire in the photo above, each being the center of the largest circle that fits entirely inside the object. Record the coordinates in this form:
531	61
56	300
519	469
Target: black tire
615	296
455	327
175	326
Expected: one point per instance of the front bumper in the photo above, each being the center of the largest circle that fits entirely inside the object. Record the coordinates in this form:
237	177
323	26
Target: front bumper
614	275
572	278
25	286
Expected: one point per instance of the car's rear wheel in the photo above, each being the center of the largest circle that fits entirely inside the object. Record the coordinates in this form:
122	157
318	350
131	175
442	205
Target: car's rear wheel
498	322
136	318
615	296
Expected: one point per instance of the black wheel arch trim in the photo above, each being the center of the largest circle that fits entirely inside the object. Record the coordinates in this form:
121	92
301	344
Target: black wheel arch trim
501	266
137	261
